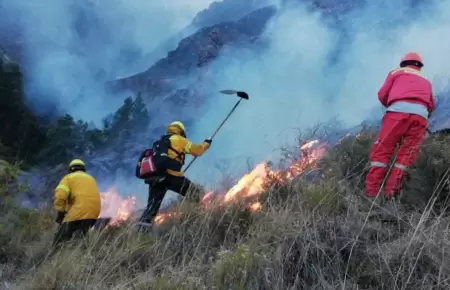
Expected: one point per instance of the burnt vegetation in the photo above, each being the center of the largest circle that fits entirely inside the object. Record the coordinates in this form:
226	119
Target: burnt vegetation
311	233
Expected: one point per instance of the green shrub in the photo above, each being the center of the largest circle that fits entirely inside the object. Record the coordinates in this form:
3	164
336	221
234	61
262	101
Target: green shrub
428	179
325	197
348	160
239	269
8	178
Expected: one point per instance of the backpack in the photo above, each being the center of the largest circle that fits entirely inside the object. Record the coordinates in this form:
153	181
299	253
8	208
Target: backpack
155	161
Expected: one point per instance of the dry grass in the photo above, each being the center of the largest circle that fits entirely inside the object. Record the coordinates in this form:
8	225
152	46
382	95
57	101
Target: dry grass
320	234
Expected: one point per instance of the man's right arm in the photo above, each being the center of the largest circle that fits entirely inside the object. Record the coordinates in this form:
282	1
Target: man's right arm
383	93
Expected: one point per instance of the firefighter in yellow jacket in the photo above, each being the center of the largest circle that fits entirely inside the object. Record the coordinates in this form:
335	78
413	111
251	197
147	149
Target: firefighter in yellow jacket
174	180
77	201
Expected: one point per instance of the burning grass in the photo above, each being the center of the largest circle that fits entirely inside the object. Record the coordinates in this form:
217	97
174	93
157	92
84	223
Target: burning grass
249	188
310	231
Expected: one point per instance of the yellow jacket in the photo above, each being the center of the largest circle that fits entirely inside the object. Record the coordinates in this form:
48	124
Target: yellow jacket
77	194
184	146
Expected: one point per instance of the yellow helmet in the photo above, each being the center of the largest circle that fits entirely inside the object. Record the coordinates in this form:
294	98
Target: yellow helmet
177	128
178	124
77	163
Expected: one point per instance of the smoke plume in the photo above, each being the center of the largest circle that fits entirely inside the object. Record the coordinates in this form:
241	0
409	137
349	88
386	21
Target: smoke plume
72	47
313	72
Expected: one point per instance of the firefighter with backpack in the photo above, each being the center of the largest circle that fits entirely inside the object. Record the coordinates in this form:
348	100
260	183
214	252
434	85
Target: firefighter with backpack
161	165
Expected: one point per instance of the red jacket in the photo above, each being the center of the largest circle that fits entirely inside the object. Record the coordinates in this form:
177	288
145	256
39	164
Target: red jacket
408	85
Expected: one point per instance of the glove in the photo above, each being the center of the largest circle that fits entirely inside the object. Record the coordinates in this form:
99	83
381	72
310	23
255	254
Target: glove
209	141
60	217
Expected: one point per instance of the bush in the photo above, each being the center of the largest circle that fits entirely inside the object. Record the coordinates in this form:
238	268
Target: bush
20	229
348	159
428	180
238	269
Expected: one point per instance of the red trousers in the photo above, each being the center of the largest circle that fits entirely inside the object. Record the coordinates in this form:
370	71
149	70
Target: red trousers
407	130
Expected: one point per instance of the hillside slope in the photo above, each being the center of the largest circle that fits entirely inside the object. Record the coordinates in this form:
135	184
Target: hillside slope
319	234
310	230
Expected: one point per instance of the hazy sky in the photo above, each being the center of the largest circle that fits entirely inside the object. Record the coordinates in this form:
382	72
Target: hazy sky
293	85
74	46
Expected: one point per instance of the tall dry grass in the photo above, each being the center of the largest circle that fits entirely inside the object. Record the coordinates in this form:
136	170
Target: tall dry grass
312	233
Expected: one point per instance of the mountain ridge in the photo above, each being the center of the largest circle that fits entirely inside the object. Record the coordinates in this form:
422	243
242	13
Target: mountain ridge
196	51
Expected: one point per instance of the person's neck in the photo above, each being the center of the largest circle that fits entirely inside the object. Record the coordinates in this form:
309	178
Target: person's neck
413	67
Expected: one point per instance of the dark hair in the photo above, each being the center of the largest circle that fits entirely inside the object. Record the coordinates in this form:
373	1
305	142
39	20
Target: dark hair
411	62
77	168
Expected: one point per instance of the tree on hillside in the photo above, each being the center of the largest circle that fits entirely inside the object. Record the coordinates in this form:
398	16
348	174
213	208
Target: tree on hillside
97	139
21	136
65	140
139	115
120	124
130	119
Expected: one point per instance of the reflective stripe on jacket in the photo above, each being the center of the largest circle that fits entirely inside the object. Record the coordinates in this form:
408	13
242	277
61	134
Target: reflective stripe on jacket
407	85
78	195
184	146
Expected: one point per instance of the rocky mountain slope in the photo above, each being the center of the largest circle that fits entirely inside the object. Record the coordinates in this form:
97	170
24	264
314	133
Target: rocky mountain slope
196	51
230	23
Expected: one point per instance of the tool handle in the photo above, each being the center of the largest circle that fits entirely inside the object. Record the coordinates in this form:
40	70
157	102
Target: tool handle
226	118
217	131
190	163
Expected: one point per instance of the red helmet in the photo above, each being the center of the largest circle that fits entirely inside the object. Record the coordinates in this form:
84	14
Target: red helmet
411	58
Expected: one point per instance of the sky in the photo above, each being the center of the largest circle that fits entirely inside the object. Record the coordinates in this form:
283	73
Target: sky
72	47
293	86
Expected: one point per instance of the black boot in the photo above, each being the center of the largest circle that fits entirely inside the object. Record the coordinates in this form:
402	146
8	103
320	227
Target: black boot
144	227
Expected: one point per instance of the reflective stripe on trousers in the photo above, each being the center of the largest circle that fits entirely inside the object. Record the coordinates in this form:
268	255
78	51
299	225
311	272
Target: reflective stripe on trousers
401	166
381	164
377	164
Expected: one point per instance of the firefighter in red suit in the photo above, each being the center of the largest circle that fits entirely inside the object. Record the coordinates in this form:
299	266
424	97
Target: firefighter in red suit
407	96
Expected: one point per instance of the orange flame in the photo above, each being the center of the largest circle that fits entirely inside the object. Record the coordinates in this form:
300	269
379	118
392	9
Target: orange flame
249	187
254	183
113	205
255	206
